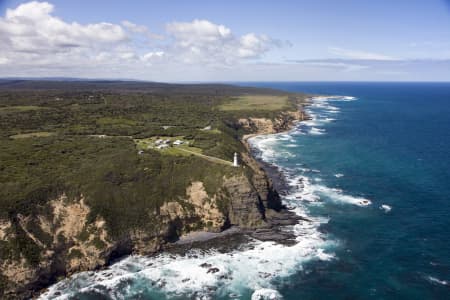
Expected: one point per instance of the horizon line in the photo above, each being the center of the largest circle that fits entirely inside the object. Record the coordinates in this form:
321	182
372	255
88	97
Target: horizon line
68	78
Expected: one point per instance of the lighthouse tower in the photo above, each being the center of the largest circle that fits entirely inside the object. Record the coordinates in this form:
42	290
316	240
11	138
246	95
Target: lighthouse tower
235	160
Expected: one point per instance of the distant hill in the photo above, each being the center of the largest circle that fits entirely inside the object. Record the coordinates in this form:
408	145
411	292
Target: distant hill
73	84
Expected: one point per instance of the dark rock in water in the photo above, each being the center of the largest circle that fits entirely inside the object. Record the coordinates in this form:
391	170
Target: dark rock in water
275	234
264	274
161	284
205	265
185	280
213	270
284	222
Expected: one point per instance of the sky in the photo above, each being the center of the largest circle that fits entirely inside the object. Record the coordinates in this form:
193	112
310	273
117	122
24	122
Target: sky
206	40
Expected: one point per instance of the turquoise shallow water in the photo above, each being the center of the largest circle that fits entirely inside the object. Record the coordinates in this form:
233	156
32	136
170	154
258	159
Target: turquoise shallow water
372	174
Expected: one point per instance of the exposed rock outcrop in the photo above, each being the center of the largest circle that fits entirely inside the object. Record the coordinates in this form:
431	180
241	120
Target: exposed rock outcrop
245	206
66	240
65	243
284	121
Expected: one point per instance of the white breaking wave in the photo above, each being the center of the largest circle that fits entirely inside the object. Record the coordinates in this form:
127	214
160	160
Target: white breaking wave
337	195
311	192
266	294
333	98
321	104
292	145
316	131
438	281
338	175
386	208
329	120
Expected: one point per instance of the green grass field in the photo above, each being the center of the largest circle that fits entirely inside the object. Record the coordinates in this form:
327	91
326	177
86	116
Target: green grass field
32	135
181	150
256	102
20	108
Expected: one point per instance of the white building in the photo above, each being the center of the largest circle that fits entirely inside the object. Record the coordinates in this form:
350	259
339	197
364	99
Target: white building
162	146
235	160
178	142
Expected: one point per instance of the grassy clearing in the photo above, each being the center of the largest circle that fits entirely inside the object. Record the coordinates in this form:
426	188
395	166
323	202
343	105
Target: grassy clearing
20	108
181	151
215	131
256	102
188	151
32	135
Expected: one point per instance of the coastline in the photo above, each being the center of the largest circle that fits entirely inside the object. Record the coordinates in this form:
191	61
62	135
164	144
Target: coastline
236	238
275	220
272	231
272	171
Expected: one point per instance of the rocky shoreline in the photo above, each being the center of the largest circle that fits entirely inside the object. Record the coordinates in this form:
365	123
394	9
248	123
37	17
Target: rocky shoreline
276	220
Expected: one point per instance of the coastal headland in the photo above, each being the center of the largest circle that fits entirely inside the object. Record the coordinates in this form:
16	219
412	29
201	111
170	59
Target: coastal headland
95	170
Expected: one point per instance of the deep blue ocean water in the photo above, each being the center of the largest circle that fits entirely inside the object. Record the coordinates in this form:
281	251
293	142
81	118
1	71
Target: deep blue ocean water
388	146
393	147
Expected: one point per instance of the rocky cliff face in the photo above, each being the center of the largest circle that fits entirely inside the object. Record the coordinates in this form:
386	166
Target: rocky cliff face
61	240
66	240
284	121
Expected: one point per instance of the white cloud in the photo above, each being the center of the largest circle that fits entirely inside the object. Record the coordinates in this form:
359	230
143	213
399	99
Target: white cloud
198	31
31	27
32	37
356	54
34	40
252	45
152	55
202	41
346	67
141	29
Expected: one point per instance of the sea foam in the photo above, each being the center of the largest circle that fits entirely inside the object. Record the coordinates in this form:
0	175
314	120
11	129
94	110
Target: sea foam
437	281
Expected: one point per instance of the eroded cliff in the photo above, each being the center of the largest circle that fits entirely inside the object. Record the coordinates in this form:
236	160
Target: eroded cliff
66	238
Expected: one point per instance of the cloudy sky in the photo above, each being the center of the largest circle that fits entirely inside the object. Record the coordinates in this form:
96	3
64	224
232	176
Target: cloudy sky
204	40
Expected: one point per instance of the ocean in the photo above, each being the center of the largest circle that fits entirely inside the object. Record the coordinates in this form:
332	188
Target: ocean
370	172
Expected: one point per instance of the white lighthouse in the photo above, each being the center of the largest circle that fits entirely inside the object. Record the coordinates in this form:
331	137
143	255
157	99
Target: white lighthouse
235	160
